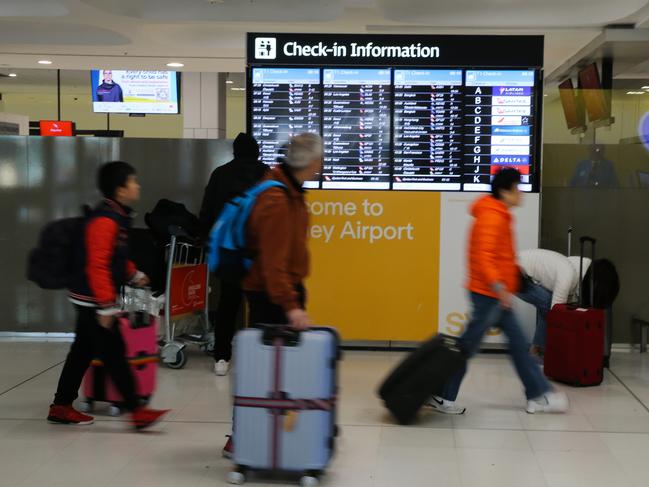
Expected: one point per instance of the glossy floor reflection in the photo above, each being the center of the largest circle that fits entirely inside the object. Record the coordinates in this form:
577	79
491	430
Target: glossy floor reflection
604	440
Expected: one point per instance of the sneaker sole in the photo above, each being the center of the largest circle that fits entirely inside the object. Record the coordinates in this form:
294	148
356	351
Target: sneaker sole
450	413
62	421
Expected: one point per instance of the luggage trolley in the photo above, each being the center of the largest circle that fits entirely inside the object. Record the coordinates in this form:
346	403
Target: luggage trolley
186	293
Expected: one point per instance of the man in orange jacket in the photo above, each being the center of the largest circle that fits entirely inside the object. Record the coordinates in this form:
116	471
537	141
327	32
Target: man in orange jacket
494	278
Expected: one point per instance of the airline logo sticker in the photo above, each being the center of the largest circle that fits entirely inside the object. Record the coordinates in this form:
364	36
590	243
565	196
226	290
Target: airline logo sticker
522	130
510	140
510	150
510	160
511	100
506	120
511	110
512	91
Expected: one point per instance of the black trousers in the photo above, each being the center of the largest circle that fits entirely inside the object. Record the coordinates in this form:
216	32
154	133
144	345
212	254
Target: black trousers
264	312
225	318
94	341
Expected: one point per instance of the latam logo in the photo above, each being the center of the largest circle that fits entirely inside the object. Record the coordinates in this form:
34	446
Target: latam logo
512	91
265	48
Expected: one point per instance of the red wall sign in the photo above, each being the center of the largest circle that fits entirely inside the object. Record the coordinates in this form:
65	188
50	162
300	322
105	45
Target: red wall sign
57	128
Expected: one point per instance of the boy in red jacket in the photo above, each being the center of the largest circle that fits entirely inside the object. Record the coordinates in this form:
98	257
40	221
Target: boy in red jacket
102	267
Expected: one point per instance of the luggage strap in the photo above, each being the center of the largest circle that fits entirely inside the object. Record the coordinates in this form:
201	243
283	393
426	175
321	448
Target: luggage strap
286	404
135	361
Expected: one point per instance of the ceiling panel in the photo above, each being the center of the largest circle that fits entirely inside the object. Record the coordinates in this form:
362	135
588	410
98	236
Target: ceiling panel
225	10
509	13
48	33
32	8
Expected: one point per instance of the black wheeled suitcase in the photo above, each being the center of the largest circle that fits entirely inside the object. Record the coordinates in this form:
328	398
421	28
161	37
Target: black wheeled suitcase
420	375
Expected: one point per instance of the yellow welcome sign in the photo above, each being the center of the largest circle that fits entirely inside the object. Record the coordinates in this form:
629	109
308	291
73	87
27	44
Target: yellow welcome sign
375	263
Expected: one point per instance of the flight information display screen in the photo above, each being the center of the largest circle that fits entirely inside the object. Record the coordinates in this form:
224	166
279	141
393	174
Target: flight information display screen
428	121
285	102
356	128
396	125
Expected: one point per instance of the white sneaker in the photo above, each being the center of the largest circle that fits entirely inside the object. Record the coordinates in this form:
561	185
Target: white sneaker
550	402
221	367
445	407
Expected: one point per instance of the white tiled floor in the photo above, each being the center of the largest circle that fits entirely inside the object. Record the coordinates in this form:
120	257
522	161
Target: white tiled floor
604	440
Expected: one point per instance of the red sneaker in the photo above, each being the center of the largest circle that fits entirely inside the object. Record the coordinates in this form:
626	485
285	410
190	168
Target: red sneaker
144	417
228	449
68	415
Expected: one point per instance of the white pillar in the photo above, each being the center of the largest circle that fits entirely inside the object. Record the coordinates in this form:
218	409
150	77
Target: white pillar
203	105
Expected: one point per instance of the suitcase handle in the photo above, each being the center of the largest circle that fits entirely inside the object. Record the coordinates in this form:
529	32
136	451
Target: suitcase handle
583	241
270	333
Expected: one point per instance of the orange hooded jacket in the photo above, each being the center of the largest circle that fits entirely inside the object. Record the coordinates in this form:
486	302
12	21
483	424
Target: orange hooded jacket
492	258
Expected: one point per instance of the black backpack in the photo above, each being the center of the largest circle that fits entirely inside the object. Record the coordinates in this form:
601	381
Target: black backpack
169	213
51	264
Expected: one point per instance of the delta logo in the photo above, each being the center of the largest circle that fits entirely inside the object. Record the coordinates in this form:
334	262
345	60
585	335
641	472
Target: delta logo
510	160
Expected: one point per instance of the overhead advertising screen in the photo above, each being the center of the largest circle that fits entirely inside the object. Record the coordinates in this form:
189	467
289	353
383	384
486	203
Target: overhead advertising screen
149	92
404	113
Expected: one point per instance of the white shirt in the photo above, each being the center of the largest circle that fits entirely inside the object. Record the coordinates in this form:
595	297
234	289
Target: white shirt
554	271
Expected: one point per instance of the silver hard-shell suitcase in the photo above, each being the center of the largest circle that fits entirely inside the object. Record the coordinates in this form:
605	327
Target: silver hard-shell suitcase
284	400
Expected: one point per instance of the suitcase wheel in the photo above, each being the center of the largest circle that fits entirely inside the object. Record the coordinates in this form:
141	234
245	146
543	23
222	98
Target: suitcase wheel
87	406
237	477
180	361
114	410
309	481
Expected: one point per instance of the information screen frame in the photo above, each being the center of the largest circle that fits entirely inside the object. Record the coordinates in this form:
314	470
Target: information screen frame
483	57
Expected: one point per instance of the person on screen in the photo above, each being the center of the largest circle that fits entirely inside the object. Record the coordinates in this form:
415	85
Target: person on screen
493	280
595	172
108	90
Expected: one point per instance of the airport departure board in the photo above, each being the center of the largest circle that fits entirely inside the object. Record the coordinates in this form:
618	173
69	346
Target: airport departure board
399	127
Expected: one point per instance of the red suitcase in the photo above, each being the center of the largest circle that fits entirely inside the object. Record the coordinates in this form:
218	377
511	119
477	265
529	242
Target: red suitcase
140	338
574	351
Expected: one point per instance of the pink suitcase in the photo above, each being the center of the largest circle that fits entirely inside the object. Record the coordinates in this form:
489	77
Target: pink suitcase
140	338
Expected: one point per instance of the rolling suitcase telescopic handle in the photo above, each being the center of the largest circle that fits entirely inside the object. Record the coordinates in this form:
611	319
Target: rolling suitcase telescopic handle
583	241
289	336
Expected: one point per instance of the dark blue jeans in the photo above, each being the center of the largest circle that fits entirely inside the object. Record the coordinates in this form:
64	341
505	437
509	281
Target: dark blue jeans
488	313
541	299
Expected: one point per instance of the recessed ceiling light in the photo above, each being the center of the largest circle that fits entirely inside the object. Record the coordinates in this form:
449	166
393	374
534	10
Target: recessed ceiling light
635	92
175	65
229	81
645	88
44	61
12	75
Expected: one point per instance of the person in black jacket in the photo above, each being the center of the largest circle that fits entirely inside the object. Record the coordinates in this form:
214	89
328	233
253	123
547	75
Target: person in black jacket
226	182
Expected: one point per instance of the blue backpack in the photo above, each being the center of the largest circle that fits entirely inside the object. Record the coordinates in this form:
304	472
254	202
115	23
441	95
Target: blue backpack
227	255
